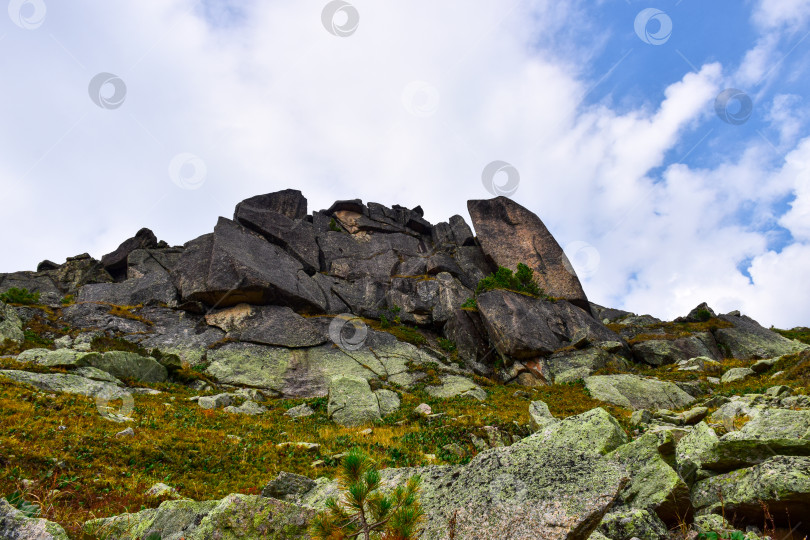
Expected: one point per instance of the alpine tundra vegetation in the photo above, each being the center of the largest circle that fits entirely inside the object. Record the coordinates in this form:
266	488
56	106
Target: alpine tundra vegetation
358	372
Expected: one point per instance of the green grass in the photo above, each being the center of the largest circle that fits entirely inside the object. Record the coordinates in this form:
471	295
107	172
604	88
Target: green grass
801	334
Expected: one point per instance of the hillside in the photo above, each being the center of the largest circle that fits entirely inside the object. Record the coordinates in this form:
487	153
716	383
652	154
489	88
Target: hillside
210	390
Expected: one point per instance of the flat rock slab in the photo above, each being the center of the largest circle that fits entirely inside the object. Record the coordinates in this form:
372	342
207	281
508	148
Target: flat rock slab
64	383
235	516
455	385
279	326
633	392
307	372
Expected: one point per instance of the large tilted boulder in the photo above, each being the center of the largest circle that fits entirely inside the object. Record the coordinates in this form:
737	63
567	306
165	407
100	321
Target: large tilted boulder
14	525
64	383
510	234
235	265
351	401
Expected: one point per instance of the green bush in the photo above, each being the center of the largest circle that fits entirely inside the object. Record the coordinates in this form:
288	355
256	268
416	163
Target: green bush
447	345
521	281
363	510
704	315
333	226
19	296
469	303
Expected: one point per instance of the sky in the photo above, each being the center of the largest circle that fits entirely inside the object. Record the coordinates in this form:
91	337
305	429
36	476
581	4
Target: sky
665	144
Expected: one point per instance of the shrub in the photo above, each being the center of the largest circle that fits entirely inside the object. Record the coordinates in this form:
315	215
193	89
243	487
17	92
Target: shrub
447	345
364	510
521	281
469	303
333	226
704	315
19	296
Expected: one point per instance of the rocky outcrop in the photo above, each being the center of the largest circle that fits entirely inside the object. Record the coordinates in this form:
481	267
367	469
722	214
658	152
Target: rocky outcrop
497	219
747	339
116	262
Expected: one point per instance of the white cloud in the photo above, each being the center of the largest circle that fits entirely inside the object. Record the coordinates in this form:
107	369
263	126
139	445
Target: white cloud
275	101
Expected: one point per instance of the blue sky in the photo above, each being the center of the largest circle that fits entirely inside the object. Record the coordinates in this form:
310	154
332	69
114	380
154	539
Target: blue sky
659	203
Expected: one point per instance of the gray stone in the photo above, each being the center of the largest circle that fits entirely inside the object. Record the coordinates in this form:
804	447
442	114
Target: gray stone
540	414
280	326
737	374
630	524
235	516
521	326
235	265
14	525
654	485
569	366
287	486
249	407
659	352
465	328
351	401
388	400
702	364
455	385
300	411
153	288
10	325
529	242
127	365
633	392
750	340
64	383
782	483
215	402
116	262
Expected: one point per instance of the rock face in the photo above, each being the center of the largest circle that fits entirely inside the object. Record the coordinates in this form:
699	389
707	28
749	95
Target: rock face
497	219
116	262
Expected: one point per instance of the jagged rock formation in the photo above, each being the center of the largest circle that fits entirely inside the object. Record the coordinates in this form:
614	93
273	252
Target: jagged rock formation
362	304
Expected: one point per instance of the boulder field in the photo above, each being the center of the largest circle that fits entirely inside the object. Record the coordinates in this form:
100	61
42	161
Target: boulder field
364	306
